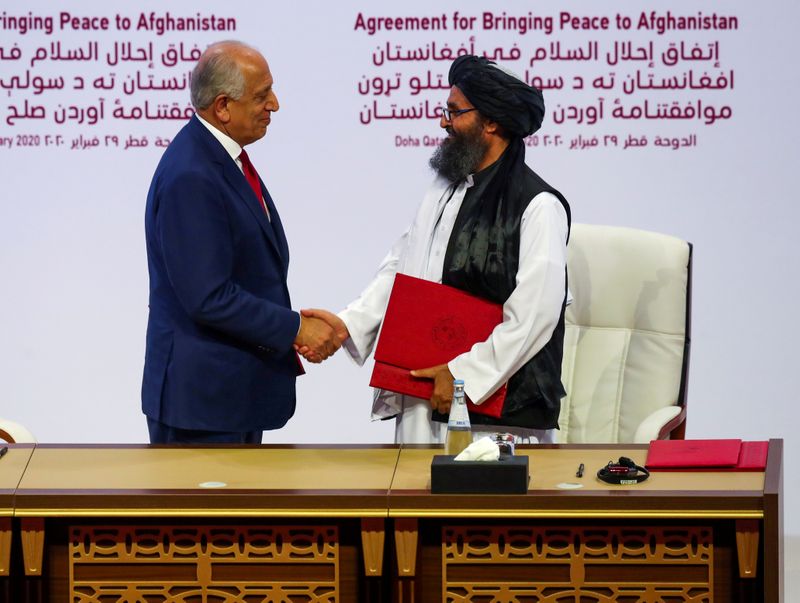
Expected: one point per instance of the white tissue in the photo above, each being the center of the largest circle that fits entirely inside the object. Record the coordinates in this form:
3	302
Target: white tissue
484	449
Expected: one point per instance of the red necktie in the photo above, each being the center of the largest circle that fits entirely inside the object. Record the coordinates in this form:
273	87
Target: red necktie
252	178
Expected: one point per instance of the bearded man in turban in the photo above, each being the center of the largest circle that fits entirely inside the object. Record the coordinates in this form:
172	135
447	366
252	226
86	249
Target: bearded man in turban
492	227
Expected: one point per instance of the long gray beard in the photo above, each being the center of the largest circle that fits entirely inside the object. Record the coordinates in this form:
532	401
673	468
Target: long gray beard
458	156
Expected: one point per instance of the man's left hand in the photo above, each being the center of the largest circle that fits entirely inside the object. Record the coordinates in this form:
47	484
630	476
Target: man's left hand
442	386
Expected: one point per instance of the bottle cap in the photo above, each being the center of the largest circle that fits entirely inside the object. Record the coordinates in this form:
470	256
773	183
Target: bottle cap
458	382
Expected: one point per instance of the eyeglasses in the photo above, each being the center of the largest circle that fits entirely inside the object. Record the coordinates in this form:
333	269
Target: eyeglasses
450	114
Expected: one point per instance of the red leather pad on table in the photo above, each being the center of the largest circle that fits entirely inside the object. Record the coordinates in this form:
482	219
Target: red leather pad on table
427	324
753	456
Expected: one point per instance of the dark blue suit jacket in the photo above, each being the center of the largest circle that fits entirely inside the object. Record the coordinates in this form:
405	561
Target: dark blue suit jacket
220	332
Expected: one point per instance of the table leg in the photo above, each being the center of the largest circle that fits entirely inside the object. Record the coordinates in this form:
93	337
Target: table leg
406	541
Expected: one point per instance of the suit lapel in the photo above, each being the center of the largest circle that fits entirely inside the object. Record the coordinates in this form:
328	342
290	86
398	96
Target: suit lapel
277	227
237	180
273	232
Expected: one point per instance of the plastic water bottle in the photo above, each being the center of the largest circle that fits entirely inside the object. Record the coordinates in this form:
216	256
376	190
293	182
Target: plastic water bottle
459	430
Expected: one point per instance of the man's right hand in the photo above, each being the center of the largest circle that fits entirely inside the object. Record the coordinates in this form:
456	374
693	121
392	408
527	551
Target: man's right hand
317	337
339	330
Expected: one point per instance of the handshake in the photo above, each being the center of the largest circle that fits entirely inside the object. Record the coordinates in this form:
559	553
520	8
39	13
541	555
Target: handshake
321	334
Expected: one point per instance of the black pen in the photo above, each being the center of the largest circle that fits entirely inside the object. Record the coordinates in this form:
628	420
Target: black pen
579	472
3	451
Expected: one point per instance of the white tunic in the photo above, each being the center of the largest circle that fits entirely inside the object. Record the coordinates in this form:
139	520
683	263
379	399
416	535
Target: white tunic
529	315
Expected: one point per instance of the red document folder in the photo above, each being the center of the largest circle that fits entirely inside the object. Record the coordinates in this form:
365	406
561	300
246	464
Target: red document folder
699	455
428	324
693	454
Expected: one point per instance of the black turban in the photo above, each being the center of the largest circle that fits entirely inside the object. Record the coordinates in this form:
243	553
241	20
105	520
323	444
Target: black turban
499	96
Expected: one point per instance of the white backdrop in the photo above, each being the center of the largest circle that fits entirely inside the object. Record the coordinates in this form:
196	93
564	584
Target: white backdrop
627	140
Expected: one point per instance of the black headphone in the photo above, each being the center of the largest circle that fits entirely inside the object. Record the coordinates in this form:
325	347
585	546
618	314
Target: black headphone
625	472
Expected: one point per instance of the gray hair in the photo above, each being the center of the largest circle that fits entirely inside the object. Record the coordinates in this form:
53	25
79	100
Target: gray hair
218	72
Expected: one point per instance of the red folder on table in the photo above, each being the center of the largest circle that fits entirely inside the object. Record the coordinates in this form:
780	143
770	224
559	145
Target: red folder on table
674	454
428	324
711	455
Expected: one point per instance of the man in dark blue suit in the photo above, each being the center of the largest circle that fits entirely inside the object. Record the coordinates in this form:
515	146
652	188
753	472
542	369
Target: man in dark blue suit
220	363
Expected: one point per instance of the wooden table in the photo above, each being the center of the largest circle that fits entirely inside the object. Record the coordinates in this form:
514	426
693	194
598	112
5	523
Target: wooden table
309	522
236	522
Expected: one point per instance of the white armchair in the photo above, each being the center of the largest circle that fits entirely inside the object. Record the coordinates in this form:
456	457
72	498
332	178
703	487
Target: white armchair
626	346
14	433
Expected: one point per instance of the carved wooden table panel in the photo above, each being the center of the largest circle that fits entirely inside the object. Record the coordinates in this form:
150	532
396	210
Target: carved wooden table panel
146	524
679	536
